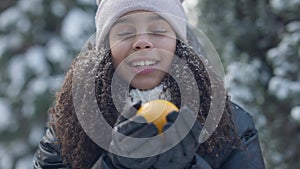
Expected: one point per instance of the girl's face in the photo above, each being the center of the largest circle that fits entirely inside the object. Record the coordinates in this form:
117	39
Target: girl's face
142	47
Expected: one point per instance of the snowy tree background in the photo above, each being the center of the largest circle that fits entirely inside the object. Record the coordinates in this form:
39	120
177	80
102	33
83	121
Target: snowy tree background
38	41
258	42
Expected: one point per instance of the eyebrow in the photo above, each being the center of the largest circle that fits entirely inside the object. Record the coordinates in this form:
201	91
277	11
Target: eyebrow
156	17
123	20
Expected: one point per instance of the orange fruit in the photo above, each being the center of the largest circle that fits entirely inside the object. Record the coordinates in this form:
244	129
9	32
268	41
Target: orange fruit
155	111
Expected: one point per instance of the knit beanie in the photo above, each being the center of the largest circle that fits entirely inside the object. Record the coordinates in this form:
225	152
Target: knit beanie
110	10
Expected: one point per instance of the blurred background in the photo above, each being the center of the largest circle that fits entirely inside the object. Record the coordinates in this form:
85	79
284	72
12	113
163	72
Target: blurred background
258	42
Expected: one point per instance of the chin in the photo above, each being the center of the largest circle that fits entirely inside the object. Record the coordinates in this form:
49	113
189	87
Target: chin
144	85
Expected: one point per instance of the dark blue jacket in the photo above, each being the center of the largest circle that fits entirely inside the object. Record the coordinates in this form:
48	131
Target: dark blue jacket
248	156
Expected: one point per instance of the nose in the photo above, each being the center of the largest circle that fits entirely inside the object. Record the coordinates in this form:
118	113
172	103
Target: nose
142	42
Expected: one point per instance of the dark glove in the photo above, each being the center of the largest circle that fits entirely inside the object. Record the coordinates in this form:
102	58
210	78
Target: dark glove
129	153
200	163
181	133
48	154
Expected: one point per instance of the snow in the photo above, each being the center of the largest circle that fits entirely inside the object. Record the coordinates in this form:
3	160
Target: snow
23	25
234	75
18	147
10	41
75	27
5	160
87	2
5	115
55	82
292	38
3	45
293	26
278	4
278	87
13	17
38	85
32	6
192	14
7	153
285	64
246	73
295	113
28	106
25	162
283	88
16	72
283	69
35	135
56	50
241	93
9	17
35	59
14	149
58	8
14	40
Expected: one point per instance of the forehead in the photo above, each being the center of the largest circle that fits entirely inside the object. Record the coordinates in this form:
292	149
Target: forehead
139	17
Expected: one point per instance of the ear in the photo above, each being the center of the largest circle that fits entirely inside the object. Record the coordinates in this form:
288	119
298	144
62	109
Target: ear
181	1
99	1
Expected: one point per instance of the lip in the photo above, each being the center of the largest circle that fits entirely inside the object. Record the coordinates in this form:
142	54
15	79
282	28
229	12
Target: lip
143	61
143	69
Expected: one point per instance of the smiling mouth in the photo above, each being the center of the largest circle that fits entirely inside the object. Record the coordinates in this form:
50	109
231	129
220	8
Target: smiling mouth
143	63
143	66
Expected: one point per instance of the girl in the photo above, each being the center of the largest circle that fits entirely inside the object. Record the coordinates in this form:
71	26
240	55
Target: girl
139	42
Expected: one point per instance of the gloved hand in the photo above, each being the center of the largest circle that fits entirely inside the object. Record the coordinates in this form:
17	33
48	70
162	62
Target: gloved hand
124	149
182	132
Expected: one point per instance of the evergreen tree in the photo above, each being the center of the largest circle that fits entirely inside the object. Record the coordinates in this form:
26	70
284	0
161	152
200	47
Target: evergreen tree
38	41
259	44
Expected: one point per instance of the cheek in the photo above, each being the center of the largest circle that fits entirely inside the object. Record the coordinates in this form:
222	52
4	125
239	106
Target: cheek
168	49
167	44
119	52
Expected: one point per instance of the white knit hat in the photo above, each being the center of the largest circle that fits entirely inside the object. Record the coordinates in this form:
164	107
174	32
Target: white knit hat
110	10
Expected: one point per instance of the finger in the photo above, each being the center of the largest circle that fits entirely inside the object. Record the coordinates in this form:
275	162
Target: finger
171	117
131	125
167	126
146	131
128	112
124	129
137	105
141	140
150	147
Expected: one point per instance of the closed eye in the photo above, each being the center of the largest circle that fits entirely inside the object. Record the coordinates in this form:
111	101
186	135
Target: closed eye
124	33
162	31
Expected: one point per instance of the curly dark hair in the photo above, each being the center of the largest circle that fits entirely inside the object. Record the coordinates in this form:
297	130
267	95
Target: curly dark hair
78	149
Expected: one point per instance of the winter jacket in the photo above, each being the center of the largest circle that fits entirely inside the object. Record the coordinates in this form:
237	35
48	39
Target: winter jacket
247	156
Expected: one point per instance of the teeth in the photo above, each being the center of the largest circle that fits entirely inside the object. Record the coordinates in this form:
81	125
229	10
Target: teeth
143	63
